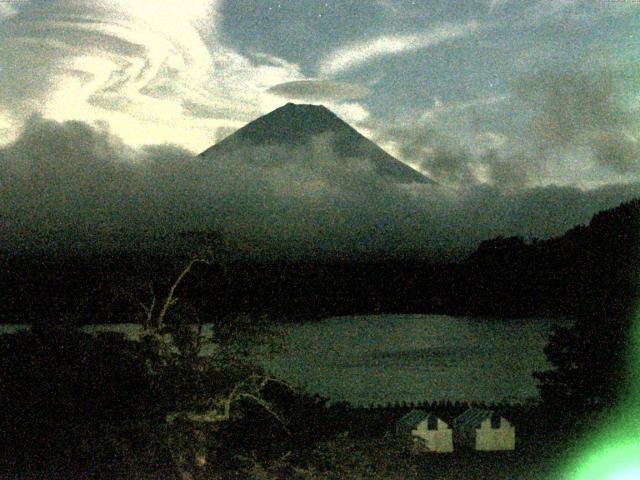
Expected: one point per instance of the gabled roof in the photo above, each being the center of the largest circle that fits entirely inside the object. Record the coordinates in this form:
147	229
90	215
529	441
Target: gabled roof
473	417
411	420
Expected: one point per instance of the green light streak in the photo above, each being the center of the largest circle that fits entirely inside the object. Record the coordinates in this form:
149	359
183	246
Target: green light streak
617	462
613	452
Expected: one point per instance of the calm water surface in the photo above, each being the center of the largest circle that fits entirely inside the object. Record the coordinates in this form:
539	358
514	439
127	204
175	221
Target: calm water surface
395	358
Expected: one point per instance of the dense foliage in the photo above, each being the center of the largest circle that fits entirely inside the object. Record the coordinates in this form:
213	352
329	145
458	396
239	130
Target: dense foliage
102	402
591	360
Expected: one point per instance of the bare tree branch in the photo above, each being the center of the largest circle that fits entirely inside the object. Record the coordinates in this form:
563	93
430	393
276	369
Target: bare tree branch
169	300
266	406
149	311
215	416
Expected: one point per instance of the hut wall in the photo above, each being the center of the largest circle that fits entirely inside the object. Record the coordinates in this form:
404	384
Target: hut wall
439	440
503	438
434	440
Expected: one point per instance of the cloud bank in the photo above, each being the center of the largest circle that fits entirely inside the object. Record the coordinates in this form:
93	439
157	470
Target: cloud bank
565	127
584	110
71	184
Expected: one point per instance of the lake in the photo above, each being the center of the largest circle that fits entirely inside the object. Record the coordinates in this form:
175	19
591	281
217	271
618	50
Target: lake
395	358
377	359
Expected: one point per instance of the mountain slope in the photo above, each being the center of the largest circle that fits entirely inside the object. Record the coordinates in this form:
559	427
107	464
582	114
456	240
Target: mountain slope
297	125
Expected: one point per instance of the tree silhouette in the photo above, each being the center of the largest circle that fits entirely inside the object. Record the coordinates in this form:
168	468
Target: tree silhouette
590	366
590	358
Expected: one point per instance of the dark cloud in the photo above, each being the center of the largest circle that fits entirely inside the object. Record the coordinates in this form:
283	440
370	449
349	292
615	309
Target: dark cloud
576	109
319	90
508	171
446	159
69	183
569	126
617	150
441	156
568	103
109	101
201	110
449	163
72	178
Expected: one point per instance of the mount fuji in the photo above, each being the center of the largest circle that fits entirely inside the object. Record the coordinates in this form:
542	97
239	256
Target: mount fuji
296	125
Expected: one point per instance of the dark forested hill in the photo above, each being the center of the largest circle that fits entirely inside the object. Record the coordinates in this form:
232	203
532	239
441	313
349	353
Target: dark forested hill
589	269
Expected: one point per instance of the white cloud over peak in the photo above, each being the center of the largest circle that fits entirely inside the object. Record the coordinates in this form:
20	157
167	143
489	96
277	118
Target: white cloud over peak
359	53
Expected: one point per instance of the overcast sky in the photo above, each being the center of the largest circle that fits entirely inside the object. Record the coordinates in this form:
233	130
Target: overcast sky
509	95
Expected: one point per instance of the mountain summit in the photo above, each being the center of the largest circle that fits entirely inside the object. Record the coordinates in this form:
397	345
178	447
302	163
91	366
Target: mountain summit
297	125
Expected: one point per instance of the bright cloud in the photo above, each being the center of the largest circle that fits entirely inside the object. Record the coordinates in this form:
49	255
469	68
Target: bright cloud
357	54
142	67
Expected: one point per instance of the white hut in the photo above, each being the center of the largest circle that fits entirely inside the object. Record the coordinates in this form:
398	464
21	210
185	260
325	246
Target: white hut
484	430
428	431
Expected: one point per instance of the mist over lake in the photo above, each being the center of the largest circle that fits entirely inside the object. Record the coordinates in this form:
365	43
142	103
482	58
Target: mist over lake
396	358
